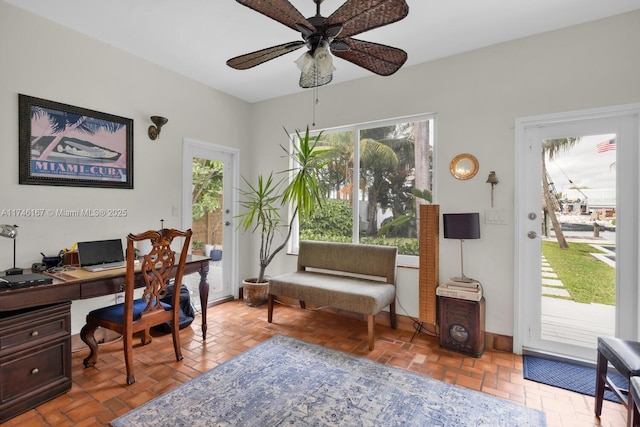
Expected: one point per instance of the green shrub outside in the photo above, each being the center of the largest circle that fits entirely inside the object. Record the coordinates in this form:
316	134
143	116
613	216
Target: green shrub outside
333	223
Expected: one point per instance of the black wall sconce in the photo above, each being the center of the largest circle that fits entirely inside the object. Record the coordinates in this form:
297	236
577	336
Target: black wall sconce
154	131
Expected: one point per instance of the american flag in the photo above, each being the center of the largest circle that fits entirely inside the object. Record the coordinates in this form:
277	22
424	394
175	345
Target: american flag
608	145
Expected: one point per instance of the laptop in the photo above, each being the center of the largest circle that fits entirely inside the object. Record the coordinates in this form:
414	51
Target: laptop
24	280
101	255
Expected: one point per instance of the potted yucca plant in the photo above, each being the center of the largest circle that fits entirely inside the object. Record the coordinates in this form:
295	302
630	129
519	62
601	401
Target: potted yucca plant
263	201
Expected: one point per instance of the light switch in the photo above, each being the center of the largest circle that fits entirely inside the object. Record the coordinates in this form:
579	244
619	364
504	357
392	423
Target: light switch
496	216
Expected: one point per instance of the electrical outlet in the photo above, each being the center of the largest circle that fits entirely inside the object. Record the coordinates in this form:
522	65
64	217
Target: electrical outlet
175	211
119	298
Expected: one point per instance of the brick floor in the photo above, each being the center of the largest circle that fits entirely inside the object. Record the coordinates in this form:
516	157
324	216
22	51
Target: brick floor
100	394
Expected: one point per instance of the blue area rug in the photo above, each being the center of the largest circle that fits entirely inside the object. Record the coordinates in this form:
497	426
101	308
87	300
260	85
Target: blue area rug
568	376
285	381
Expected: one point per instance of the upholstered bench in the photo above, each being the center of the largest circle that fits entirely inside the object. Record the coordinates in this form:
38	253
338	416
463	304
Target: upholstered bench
624	356
352	277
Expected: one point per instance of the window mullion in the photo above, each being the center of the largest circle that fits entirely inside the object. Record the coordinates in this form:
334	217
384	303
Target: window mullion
356	186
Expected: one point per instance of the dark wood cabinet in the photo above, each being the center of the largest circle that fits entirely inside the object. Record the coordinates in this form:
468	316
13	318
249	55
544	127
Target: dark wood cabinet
462	325
35	357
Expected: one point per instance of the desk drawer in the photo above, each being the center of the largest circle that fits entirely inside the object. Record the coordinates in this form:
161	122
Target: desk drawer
102	287
35	357
37	296
31	371
31	327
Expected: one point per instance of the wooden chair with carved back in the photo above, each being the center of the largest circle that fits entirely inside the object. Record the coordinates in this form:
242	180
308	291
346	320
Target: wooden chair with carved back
158	269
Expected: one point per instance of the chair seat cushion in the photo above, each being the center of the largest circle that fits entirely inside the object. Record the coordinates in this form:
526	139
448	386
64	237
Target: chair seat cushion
115	313
622	354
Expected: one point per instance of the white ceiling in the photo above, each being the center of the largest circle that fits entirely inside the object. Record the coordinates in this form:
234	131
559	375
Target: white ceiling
196	37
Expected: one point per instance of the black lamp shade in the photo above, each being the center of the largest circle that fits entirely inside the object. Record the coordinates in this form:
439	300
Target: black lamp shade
461	225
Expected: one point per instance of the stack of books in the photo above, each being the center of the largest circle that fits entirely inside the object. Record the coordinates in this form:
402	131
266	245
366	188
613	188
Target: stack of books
468	289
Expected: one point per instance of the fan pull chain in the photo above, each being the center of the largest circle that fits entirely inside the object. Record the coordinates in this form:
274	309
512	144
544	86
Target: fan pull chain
316	101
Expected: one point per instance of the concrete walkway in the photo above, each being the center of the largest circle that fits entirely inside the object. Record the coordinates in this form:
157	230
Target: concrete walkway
570	322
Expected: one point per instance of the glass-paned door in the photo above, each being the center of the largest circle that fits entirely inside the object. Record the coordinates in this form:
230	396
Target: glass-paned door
576	232
208	182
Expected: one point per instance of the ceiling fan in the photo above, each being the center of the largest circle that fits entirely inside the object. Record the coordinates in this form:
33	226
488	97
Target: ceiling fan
323	36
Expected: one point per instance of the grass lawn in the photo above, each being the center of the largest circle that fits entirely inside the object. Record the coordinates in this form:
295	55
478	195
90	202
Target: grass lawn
586	278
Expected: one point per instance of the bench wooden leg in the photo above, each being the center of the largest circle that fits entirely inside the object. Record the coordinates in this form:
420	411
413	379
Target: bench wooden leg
392	315
303	305
371	326
270	308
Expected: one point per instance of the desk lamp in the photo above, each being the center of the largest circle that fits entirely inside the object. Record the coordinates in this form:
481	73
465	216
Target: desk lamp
11	232
461	226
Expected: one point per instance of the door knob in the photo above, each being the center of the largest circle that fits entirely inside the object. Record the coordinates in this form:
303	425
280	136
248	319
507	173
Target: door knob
532	235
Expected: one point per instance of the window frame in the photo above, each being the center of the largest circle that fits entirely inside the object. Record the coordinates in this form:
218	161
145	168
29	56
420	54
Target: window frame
403	260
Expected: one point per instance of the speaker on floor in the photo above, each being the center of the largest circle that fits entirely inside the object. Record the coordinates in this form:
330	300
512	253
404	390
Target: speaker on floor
462	325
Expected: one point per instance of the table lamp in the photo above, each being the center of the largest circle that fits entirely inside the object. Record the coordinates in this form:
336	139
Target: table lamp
461	226
11	232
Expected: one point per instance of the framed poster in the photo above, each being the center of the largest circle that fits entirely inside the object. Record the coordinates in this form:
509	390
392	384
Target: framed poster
72	146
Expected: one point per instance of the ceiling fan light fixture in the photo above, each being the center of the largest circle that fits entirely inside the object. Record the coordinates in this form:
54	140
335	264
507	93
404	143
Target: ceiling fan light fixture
313	78
305	62
319	32
317	68
323	61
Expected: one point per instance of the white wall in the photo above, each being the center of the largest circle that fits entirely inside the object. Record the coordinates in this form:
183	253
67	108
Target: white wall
477	96
42	59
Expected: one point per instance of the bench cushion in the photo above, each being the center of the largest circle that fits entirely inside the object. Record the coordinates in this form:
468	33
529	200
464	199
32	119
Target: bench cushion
340	292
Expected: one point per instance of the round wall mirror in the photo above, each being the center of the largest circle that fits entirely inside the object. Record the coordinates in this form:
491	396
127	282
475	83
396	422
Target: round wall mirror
464	166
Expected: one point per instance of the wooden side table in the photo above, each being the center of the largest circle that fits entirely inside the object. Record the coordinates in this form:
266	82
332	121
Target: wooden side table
462	325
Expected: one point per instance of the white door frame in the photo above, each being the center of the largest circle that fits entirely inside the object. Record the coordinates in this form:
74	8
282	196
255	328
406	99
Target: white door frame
529	132
194	148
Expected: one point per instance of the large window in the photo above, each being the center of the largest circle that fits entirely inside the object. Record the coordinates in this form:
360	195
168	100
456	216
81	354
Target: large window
369	182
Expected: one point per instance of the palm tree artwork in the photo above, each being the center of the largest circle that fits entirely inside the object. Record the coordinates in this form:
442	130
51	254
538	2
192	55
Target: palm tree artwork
63	123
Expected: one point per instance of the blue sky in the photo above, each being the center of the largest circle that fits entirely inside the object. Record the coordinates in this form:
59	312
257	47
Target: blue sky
583	165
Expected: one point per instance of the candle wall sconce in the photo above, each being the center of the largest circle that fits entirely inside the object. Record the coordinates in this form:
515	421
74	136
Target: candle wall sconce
154	131
493	180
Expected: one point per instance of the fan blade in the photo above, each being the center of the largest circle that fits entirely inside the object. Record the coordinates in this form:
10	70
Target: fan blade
377	58
358	16
279	10
252	59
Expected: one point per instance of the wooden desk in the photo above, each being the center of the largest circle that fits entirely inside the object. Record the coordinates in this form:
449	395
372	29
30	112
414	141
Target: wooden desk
82	284
35	332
